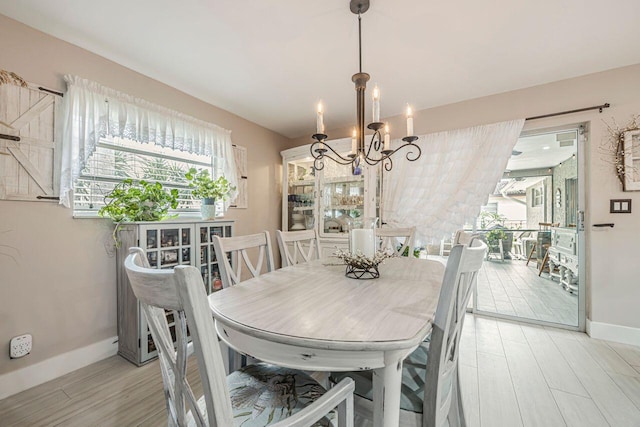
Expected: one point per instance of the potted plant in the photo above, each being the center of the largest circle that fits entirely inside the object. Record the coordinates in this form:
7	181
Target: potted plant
209	190
138	201
141	201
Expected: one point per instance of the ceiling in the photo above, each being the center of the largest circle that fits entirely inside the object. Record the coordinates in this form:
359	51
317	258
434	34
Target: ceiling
545	150
271	61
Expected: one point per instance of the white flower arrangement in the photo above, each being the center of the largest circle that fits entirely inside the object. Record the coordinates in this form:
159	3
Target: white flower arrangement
359	261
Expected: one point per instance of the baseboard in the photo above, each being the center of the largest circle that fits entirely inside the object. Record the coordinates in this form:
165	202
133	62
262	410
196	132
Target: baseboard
57	366
615	333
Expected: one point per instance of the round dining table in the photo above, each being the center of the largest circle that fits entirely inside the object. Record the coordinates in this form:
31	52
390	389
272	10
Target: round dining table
312	317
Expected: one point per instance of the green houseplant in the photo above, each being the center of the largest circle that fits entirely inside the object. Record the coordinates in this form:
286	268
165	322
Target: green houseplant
139	201
204	187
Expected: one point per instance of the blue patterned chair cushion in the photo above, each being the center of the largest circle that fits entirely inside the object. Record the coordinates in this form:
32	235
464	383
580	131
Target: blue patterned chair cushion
414	370
263	394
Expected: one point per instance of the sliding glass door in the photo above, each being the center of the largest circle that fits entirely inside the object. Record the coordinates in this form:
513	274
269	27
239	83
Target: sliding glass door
532	225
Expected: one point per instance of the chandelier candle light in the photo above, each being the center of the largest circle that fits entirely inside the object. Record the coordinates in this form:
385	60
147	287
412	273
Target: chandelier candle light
379	148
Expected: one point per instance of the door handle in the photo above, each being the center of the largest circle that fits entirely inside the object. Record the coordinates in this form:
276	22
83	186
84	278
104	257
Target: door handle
580	221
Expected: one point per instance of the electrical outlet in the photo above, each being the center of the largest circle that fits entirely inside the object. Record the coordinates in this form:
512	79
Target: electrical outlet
21	345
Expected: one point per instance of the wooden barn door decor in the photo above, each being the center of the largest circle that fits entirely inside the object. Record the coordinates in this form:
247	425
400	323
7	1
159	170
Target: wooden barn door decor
27	141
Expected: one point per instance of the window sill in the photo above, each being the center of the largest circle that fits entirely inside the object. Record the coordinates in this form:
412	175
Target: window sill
182	217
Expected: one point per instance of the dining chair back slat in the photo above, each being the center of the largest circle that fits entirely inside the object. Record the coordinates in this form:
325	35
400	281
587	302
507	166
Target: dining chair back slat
298	246
239	249
397	240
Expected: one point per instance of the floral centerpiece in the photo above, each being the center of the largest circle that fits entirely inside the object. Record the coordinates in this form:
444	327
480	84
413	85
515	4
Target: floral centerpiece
360	266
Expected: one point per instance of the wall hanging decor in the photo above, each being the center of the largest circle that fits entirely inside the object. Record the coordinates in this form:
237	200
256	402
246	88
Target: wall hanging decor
622	149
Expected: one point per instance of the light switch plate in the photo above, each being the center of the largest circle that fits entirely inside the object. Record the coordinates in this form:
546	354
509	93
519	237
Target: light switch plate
620	206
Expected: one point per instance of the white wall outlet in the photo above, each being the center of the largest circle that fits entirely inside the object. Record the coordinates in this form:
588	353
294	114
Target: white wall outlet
21	345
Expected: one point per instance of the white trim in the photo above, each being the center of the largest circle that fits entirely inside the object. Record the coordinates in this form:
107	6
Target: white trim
615	333
57	366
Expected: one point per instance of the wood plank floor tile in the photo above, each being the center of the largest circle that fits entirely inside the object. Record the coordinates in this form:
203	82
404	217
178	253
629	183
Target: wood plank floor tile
498	403
616	407
537	405
511	332
629	353
607	358
470	397
579	411
552	363
629	386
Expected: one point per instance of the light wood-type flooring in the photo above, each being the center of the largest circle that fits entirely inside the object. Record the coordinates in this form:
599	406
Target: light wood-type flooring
512	375
510	287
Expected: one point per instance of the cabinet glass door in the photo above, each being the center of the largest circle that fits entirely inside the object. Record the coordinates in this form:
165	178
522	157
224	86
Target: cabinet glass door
166	246
208	263
343	197
301	182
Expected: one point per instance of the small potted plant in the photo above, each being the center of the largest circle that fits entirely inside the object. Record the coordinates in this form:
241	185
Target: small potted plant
209	190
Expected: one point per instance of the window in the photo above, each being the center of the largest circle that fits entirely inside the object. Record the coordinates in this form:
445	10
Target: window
109	136
537	197
116	159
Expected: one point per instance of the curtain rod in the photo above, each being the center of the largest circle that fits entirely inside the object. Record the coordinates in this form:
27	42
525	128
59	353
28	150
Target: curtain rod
595	107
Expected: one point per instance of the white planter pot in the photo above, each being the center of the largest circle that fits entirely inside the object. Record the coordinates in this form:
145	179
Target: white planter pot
208	208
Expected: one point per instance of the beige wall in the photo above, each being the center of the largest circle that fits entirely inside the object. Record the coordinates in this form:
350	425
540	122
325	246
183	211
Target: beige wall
613	273
61	287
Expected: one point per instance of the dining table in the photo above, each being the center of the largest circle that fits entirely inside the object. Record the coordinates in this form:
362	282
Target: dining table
312	317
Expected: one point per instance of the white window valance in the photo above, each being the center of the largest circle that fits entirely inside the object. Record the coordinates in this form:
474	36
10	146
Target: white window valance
457	172
92	111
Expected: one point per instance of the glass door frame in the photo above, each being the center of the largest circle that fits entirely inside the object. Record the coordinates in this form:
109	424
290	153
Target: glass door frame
582	129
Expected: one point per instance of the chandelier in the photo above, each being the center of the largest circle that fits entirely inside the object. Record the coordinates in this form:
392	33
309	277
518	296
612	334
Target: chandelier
379	148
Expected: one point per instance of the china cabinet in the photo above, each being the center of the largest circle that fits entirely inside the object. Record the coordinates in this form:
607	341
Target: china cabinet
329	198
167	244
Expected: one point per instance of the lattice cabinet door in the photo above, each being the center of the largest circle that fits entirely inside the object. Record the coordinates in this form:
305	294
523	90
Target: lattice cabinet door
206	255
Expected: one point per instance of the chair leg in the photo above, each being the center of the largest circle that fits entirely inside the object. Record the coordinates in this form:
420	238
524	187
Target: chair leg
533	248
456	411
544	261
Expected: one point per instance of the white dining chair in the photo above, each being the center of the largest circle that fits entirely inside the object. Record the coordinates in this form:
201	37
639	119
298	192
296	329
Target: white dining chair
431	393
254	396
239	249
298	246
397	240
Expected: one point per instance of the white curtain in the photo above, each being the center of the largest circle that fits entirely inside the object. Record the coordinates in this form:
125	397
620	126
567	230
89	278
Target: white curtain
450	182
92	111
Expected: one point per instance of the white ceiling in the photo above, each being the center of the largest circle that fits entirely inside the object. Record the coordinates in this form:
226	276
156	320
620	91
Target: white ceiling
542	151
271	61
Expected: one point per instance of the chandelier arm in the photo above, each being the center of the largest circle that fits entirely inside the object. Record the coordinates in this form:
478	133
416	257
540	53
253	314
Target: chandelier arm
410	154
378	141
318	155
374	144
318	164
388	163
